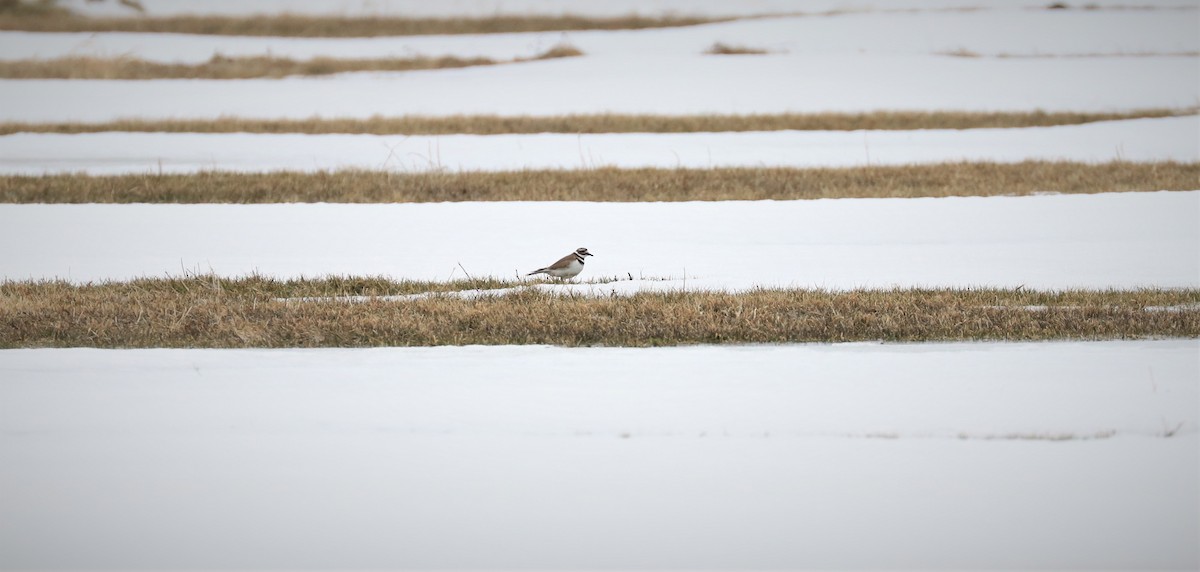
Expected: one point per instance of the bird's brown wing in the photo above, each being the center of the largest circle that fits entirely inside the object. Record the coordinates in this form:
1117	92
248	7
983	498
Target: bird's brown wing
562	262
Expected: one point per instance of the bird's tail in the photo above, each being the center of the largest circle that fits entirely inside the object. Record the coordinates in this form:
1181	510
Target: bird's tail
539	271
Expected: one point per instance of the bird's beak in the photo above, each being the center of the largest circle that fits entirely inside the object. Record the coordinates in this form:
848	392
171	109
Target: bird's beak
587	254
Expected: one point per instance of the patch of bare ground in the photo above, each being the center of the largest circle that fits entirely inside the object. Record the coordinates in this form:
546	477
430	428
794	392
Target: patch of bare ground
207	311
601	123
606	185
225	67
723	49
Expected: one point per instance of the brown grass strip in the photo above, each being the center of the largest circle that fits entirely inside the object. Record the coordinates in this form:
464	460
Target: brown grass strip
600	123
298	25
606	185
224	67
210	312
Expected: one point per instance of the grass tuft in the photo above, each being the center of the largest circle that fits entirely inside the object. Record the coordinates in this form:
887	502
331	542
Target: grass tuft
960	53
561	50
722	49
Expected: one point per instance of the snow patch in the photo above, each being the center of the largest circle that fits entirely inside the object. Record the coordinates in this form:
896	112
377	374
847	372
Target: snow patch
968	455
1161	139
1117	240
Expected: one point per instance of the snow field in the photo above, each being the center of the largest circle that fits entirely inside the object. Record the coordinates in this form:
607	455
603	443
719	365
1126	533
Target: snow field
991	33
682	85
851	62
1116	240
970	455
1164	139
931	455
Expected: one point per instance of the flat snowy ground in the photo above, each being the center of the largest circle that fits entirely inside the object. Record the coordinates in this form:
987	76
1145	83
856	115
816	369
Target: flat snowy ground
1165	139
669	85
1073	60
1045	455
1003	32
975	455
1057	241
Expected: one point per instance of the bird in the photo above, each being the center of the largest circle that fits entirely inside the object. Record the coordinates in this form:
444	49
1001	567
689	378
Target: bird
568	266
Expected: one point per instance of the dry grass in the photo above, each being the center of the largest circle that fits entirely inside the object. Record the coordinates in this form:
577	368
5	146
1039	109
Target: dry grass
722	49
224	67
602	123
52	19
206	311
615	185
960	53
32	9
561	50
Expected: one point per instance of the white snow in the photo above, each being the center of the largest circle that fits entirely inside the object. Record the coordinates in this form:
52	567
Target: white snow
1165	139
848	62
1015	32
926	456
812	456
1118	240
669	85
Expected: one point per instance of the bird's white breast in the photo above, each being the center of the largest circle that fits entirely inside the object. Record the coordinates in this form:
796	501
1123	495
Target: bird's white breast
569	271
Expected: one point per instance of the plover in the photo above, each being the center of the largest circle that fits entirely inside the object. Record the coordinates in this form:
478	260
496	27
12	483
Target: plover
568	266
